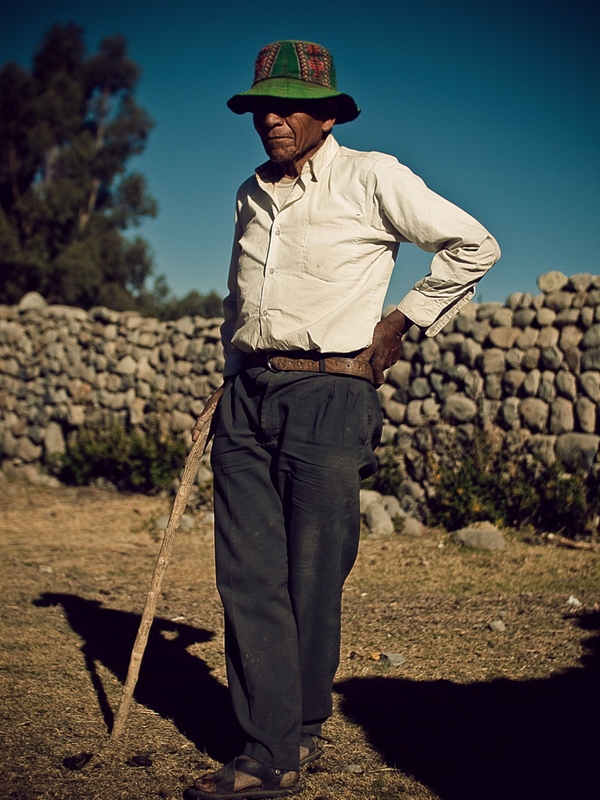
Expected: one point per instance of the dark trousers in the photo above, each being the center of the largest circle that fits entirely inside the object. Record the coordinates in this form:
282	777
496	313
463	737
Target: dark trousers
289	452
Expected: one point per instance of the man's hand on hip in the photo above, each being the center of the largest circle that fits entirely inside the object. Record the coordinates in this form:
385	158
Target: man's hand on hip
386	347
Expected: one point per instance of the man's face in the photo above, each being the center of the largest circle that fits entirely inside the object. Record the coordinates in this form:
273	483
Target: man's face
292	131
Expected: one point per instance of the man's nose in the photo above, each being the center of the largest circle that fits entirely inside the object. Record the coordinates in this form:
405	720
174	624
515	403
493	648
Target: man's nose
271	119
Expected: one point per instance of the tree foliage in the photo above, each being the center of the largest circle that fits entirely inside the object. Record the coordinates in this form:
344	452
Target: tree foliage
162	304
68	128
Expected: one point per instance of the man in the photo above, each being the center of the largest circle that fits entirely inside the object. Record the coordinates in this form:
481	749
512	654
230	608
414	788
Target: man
317	231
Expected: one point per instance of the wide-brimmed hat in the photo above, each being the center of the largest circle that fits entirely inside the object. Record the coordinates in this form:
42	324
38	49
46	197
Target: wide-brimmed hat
295	70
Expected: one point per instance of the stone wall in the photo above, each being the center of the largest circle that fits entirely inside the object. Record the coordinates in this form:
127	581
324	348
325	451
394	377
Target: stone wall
529	369
61	367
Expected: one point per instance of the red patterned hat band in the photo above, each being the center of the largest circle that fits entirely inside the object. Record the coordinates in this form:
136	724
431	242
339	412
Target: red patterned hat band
297	60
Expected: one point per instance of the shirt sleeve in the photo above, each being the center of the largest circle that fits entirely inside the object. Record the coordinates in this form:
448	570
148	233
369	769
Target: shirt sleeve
464	249
233	358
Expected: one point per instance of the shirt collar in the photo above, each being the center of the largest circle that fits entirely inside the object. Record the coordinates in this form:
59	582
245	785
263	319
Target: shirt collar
270	172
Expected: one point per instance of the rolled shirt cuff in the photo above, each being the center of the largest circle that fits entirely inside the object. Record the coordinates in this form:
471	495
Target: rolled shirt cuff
430	315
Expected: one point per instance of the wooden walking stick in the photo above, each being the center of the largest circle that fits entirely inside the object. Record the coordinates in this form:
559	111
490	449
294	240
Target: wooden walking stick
162	562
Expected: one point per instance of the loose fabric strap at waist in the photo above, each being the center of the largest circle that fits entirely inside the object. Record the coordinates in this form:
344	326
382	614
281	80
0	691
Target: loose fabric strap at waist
335	365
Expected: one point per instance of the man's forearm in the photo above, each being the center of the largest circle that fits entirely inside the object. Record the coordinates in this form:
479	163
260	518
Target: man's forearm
398	322
386	346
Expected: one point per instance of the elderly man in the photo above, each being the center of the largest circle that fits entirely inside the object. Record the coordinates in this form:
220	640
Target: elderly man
317	232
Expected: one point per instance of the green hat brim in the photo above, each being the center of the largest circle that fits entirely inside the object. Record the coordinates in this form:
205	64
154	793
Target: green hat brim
293	89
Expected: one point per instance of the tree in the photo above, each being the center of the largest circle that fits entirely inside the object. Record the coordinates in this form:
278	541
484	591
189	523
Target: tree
68	128
162	304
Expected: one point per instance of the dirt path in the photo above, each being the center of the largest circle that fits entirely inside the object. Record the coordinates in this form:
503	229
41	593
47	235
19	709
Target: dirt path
472	714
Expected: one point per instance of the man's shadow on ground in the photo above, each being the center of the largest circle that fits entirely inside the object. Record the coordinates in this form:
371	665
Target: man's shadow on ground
498	740
172	682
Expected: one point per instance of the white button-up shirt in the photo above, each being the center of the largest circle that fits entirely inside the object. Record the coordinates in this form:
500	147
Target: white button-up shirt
312	274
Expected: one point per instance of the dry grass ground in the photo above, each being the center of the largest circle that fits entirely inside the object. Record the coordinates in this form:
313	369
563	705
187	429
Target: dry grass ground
472	714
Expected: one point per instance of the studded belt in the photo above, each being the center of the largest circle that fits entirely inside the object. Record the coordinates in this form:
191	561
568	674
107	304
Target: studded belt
334	365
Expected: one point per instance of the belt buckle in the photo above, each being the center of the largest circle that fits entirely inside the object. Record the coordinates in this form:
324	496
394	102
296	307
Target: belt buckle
270	366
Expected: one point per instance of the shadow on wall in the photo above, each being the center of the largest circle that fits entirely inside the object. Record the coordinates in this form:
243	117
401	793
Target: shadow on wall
497	740
172	682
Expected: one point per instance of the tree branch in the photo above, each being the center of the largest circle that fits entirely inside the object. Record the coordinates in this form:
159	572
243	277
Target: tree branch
84	216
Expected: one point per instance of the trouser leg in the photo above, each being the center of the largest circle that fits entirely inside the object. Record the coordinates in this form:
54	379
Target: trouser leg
323	524
261	641
325	450
287	457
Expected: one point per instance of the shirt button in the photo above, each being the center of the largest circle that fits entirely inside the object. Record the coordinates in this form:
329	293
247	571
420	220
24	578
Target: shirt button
265	313
271	271
277	233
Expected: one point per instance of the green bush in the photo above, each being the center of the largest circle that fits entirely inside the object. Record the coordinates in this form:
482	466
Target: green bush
481	479
478	480
131	460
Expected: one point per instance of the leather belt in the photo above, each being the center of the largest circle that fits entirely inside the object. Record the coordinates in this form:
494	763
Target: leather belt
334	365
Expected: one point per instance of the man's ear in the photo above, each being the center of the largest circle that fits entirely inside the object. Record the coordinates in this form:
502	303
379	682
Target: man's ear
330	112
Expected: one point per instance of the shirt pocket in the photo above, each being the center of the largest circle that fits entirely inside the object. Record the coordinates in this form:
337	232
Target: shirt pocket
330	249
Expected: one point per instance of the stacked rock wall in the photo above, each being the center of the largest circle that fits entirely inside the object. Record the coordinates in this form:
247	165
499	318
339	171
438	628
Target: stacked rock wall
61	367
529	369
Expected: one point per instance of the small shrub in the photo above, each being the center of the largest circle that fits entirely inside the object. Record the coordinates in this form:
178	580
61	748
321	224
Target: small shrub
131	460
482	478
389	475
479	480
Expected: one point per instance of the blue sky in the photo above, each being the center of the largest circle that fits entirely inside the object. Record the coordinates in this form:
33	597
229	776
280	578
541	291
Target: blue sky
494	105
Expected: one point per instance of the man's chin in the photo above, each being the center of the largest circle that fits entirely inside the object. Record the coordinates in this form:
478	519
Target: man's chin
278	153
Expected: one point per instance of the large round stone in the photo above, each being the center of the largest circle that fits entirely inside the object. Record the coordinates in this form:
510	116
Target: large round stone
459	409
562	419
577	449
552	281
534	413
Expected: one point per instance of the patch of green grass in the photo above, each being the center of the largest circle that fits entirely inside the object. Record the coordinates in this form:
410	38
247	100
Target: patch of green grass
131	460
